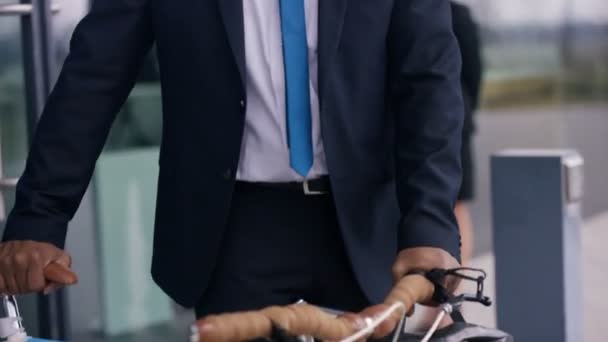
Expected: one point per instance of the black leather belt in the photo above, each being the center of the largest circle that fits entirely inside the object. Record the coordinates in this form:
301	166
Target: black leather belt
311	187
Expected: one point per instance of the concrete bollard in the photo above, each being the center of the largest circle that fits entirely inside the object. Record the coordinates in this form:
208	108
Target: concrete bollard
536	201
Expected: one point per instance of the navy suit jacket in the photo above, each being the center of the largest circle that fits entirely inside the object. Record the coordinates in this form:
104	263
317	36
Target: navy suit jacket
391	114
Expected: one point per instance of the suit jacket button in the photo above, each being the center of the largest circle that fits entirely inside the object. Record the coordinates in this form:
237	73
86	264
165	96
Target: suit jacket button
242	103
228	174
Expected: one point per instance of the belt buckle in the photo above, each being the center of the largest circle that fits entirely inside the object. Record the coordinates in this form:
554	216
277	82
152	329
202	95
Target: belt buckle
309	192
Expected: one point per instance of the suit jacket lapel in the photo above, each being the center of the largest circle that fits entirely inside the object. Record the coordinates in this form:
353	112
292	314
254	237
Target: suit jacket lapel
331	20
232	15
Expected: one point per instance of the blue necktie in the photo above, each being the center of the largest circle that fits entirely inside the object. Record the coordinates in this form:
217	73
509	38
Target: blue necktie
295	56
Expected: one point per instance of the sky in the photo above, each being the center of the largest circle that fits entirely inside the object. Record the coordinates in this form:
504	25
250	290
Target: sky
515	12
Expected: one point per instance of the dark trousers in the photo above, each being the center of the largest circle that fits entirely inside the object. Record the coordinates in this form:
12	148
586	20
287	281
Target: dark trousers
281	246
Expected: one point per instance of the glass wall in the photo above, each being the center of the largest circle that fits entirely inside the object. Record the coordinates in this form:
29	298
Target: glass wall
544	52
13	127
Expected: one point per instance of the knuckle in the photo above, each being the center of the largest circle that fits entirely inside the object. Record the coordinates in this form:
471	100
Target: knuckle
37	284
399	267
36	256
20	259
6	262
396	272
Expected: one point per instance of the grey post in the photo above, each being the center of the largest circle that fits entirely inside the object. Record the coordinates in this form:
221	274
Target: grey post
536	197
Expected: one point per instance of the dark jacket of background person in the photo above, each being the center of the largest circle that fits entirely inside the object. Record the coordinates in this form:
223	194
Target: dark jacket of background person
467	33
391	111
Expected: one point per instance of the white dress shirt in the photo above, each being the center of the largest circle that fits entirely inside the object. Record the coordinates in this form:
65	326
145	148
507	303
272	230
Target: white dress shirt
265	152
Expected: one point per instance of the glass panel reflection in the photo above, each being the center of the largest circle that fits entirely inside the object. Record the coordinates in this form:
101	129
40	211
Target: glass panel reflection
543	52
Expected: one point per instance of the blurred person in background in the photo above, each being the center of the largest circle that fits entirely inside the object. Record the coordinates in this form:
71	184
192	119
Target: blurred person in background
257	205
467	33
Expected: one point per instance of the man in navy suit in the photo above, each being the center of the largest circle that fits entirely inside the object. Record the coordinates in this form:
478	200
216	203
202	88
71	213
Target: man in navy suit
310	149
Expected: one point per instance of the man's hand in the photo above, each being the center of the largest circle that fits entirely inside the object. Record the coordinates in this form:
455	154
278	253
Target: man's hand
424	259
23	263
419	259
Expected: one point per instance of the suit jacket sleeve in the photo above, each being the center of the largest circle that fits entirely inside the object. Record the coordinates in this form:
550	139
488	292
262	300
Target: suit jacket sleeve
106	50
425	96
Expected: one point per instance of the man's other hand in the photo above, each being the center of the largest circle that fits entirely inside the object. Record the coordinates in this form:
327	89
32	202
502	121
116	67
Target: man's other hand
424	259
23	263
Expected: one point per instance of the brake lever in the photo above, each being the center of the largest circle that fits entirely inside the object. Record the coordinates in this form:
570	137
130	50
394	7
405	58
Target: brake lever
437	277
465	297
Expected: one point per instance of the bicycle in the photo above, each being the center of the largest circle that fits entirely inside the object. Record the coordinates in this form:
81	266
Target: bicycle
301	322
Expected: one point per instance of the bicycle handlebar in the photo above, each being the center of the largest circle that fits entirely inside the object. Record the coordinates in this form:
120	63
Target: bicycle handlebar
309	320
